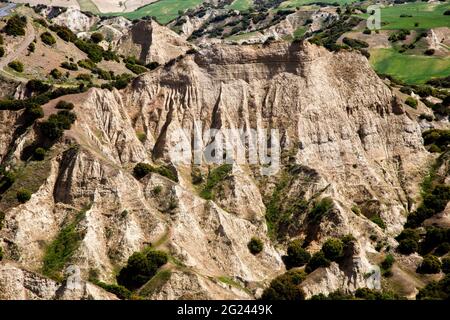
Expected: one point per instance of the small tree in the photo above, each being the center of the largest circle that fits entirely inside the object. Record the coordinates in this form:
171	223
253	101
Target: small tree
141	170
318	260
333	249
39	154
411	102
255	245
97	37
408	246
430	264
285	287
296	255
16	65
56	74
446	265
47	38
23	195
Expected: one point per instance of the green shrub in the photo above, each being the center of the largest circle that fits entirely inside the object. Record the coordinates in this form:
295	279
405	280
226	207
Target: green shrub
436	290
39	154
411	102
37	86
430	264
378	221
333	249
64	105
322	208
122	81
69	66
31	47
140	268
42	22
318	260
214	178
33	112
23	195
93	51
285	287
1	253
296	256
408	246
440	138
442	249
445	265
388	262
135	68
16	26
16	65
255	245
157	190
64	33
152	65
84	77
54	127
143	169
120	291
1	40
56	74
87	64
97	37
434	237
48	38
367	31
2	52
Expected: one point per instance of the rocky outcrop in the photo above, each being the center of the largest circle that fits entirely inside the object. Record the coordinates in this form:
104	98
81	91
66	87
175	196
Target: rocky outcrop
76	20
150	42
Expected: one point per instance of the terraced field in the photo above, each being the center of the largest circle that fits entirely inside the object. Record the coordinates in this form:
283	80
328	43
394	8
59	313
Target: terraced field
417	15
409	68
164	10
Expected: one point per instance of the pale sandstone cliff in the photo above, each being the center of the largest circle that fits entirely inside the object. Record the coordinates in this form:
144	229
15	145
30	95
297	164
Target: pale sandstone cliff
338	120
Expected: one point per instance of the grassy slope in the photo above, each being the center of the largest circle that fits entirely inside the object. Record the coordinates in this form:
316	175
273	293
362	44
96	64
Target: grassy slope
241	5
297	3
427	15
164	10
88	5
409	68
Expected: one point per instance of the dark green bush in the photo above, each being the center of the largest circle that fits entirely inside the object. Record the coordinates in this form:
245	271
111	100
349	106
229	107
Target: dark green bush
16	26
120	291
408	246
255	245
64	105
16	65
69	66
48	38
446	265
215	176
1	253
2	52
54	127
285	287
411	102
333	249
318	260
378	221
97	37
37	86
296	256
430	264
64	33
39	154
84	77
322	208
436	290
143	169
388	262
23	195
56	74
137	69
87	64
94	51
140	268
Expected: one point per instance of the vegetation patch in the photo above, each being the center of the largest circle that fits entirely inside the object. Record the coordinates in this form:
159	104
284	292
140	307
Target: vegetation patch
286	287
143	169
155	283
215	176
59	252
255	246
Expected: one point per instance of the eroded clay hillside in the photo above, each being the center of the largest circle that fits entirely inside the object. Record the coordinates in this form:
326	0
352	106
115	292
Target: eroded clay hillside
348	145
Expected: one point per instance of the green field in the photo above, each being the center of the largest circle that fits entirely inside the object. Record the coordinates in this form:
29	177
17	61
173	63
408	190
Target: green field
88	5
164	10
298	3
428	15
241	5
409	68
